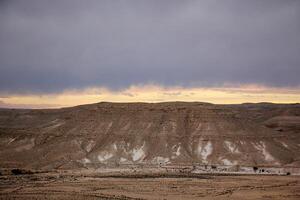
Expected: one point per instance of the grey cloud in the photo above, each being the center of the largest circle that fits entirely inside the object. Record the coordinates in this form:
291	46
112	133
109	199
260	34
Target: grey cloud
50	46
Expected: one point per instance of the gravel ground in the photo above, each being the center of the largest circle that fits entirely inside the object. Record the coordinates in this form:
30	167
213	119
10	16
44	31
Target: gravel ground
53	185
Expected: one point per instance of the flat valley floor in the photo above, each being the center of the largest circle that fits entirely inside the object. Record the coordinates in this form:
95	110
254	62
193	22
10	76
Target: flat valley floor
78	186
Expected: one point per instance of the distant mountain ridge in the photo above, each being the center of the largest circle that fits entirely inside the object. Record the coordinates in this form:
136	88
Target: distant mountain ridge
113	134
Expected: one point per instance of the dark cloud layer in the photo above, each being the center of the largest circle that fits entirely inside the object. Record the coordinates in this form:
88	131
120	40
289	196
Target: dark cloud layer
49	46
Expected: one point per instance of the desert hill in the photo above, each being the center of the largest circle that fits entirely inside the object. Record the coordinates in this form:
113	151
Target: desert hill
114	134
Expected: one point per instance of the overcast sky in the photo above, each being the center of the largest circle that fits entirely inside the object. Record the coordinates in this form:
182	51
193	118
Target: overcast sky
52	46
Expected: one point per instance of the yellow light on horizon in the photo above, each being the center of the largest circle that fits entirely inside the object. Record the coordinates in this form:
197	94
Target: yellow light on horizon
153	93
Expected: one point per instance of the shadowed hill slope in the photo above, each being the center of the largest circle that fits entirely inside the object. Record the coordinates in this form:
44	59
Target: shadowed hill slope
143	133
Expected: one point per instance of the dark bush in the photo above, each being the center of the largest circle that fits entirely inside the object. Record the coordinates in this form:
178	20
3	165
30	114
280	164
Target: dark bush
16	171
20	171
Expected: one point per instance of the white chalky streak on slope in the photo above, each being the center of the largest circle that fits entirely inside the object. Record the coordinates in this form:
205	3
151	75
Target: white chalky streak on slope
205	151
262	147
199	127
104	156
228	162
53	126
11	140
160	159
86	160
267	155
232	148
284	144
243	142
177	153
108	127
115	147
90	145
138	153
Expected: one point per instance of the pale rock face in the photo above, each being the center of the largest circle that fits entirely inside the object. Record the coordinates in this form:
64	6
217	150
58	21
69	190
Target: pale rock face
257	146
11	140
262	148
268	156
86	160
231	147
107	154
228	162
205	151
122	160
103	156
285	145
90	145
138	153
160	160
177	152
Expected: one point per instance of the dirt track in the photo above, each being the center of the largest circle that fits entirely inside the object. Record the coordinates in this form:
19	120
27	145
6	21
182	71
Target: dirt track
70	186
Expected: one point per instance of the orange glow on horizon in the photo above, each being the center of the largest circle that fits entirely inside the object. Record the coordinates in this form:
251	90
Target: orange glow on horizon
154	93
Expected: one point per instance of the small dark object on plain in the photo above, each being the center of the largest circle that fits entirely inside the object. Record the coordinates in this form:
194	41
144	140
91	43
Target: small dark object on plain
20	171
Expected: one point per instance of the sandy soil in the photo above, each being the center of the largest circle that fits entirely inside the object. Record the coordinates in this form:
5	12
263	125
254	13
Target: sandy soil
84	186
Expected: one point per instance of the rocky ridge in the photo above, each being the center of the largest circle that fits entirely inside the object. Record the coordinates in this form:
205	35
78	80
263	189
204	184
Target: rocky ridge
172	133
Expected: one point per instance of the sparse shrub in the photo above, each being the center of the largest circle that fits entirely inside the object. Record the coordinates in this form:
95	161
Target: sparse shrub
16	171
20	171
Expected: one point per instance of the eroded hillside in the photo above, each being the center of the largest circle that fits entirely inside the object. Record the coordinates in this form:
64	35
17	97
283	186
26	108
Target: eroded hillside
151	134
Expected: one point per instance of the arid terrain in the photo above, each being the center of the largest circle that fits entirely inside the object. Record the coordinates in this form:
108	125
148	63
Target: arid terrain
172	150
147	186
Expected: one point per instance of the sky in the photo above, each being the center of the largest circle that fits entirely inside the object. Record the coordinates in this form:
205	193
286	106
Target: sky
69	52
